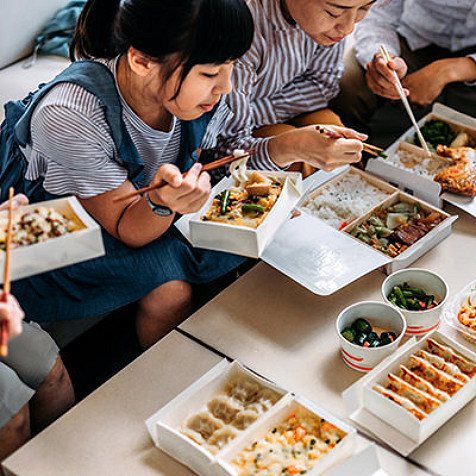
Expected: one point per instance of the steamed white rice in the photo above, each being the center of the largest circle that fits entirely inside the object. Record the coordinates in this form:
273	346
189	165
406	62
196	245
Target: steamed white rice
427	167
344	200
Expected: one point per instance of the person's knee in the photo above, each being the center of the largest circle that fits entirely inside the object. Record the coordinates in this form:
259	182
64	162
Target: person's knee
58	376
15	433
171	296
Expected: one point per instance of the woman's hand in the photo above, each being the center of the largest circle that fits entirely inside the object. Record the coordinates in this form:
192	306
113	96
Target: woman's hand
13	314
380	77
318	149
181	194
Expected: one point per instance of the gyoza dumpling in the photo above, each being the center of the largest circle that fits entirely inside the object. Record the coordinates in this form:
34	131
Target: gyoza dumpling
404	402
441	364
204	423
422	384
467	367
437	378
224	408
221	437
244	419
243	390
264	400
422	400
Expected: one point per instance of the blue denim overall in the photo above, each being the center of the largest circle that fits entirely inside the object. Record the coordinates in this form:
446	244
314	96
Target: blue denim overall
124	274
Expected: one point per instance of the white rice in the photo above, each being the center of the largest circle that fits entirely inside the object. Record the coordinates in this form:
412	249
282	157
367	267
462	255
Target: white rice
344	199
427	167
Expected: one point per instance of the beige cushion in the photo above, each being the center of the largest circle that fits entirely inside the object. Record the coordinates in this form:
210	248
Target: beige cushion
16	82
21	21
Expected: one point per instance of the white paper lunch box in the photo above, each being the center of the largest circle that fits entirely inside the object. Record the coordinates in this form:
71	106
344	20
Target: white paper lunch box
242	240
80	245
164	426
399	418
418	185
323	259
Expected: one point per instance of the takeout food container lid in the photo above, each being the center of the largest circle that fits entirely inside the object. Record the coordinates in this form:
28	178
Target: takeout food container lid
164	426
388	420
243	240
451	308
80	245
364	359
415	184
278	415
324	260
419	322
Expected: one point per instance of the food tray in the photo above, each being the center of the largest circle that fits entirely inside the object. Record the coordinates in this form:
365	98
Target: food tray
242	240
80	245
166	424
389	421
451	309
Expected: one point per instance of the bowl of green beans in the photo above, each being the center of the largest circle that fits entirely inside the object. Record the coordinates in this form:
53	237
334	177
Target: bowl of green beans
419	294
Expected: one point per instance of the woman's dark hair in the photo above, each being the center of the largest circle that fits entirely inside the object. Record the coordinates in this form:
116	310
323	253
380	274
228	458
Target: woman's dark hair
173	32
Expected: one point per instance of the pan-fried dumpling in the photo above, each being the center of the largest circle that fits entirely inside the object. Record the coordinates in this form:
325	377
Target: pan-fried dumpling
422	400
402	401
422	384
243	390
441	364
437	378
224	408
467	367
193	435
204	423
264	400
244	419
222	436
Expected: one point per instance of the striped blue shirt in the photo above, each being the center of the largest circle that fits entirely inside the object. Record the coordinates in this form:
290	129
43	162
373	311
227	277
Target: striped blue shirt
284	74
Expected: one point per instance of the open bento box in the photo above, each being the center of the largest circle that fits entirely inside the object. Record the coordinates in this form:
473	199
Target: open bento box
229	418
460	312
325	256
83	241
442	378
239	239
407	168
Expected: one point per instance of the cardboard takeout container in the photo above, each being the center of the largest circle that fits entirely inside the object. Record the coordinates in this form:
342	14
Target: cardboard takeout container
80	245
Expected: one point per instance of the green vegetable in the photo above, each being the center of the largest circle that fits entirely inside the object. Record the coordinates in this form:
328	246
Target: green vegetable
349	334
375	343
361	338
225	196
361	326
436	132
411	298
253	207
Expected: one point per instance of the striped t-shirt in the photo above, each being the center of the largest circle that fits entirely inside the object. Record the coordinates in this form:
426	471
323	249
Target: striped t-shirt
73	149
284	74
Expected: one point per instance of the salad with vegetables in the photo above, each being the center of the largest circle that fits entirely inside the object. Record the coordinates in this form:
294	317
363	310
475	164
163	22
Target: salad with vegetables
361	333
411	298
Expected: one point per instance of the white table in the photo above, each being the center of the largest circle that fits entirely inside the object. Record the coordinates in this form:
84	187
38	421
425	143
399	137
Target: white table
286	333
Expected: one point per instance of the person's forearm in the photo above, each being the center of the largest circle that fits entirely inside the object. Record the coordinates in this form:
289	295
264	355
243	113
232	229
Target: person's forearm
282	150
457	69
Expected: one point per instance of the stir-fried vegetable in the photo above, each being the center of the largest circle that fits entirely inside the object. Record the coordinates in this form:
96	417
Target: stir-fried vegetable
411	298
436	132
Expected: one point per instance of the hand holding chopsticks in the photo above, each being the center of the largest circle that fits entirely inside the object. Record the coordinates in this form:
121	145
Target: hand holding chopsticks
403	97
4	324
206	168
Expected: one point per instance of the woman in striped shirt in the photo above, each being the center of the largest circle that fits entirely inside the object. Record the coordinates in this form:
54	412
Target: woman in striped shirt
147	96
293	68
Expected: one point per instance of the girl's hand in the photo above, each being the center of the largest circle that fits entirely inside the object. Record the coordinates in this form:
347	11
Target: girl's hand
380	78
18	201
318	149
13	313
181	194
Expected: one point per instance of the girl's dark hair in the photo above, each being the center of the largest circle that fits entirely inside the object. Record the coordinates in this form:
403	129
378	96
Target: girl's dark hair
173	32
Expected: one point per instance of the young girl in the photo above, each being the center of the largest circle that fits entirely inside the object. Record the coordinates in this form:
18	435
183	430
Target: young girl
146	98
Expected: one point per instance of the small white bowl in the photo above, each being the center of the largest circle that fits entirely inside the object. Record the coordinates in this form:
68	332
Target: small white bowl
378	314
419	322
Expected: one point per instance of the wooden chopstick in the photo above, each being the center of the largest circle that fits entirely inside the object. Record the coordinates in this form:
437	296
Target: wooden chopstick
206	168
403	97
6	275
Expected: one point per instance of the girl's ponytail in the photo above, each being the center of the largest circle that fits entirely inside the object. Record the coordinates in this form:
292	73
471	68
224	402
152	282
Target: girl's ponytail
94	33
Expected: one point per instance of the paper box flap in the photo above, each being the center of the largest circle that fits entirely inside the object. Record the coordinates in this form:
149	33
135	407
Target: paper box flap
318	257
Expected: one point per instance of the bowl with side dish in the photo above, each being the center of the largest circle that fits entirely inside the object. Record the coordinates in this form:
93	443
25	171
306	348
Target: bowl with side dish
368	332
420	295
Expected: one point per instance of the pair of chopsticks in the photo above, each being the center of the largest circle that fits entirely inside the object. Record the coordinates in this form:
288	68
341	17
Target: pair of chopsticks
6	276
369	148
403	97
206	168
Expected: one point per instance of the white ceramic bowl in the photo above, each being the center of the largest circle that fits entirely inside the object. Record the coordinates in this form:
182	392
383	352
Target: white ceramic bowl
378	314
419	322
